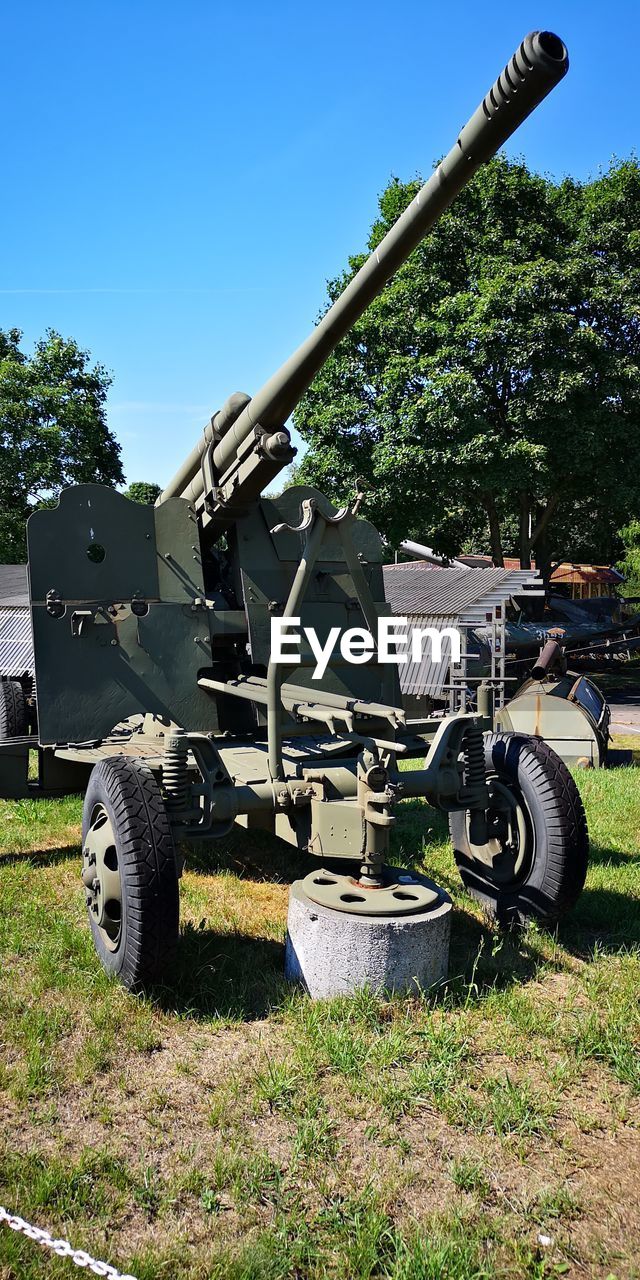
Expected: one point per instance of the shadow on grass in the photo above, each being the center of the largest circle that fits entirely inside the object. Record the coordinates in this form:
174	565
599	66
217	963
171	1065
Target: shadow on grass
484	958
230	976
239	978
599	856
251	855
43	857
602	919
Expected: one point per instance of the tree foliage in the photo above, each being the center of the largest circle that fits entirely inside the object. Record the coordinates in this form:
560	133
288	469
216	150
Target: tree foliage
143	491
630	565
53	430
490	396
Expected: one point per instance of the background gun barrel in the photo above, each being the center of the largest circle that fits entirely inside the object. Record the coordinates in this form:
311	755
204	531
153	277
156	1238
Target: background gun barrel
535	68
550	656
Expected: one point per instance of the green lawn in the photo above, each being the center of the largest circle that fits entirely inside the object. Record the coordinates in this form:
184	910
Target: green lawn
232	1128
623	677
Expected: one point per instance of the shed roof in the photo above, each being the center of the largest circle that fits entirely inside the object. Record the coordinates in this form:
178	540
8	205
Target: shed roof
567	571
464	594
16	642
427	675
14	587
584	573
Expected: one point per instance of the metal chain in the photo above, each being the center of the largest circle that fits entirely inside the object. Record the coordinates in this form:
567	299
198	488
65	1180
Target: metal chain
61	1247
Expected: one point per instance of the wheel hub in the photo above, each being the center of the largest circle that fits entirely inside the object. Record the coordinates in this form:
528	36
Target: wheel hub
507	850
101	876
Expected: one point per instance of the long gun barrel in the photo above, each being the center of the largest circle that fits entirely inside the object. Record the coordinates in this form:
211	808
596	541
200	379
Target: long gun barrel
535	68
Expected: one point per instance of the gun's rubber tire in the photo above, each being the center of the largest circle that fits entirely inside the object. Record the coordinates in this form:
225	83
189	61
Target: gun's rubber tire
13	712
553	867
127	794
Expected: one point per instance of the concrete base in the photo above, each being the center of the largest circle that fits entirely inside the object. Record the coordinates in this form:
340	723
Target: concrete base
335	953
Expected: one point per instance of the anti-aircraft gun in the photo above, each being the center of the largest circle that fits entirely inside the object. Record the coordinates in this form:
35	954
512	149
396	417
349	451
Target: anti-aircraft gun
158	689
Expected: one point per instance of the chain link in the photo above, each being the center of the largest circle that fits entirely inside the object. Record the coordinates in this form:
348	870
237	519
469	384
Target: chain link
61	1247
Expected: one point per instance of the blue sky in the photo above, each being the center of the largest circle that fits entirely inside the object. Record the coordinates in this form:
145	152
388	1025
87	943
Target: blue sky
180	180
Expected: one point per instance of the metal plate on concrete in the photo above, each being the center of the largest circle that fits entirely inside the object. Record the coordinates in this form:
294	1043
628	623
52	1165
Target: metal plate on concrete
403	895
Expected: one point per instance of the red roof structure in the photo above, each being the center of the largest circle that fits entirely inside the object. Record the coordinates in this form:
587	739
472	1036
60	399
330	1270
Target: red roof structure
584	580
577	574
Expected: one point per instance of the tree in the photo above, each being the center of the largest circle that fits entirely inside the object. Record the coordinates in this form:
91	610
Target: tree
143	491
53	430
630	565
488	396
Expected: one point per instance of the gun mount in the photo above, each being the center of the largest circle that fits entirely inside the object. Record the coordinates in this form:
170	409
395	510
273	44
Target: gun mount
157	685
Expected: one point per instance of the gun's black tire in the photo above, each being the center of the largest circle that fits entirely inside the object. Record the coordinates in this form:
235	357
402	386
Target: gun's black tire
13	712
126	827
549	873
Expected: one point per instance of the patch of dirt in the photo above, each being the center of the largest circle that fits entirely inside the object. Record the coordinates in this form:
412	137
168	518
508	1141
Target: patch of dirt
160	1106
606	1177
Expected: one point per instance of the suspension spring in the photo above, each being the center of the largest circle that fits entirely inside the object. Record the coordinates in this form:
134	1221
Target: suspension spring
474	770
476	784
175	776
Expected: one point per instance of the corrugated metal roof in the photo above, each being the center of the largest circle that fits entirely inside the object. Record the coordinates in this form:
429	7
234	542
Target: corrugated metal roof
14	588
16	642
426	676
422	589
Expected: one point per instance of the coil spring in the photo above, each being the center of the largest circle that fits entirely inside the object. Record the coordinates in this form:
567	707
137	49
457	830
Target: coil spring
475	774
174	770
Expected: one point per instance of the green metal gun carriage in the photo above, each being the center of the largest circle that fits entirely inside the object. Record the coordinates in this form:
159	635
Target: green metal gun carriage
157	690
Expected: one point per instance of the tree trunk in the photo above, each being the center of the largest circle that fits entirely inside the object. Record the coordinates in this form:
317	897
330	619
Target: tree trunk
543	559
494	529
524	548
540	538
544	518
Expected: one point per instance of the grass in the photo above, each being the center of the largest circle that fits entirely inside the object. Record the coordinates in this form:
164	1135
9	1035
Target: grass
624	676
627	742
229	1127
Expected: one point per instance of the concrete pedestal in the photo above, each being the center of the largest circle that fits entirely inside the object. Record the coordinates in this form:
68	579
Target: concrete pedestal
333	952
